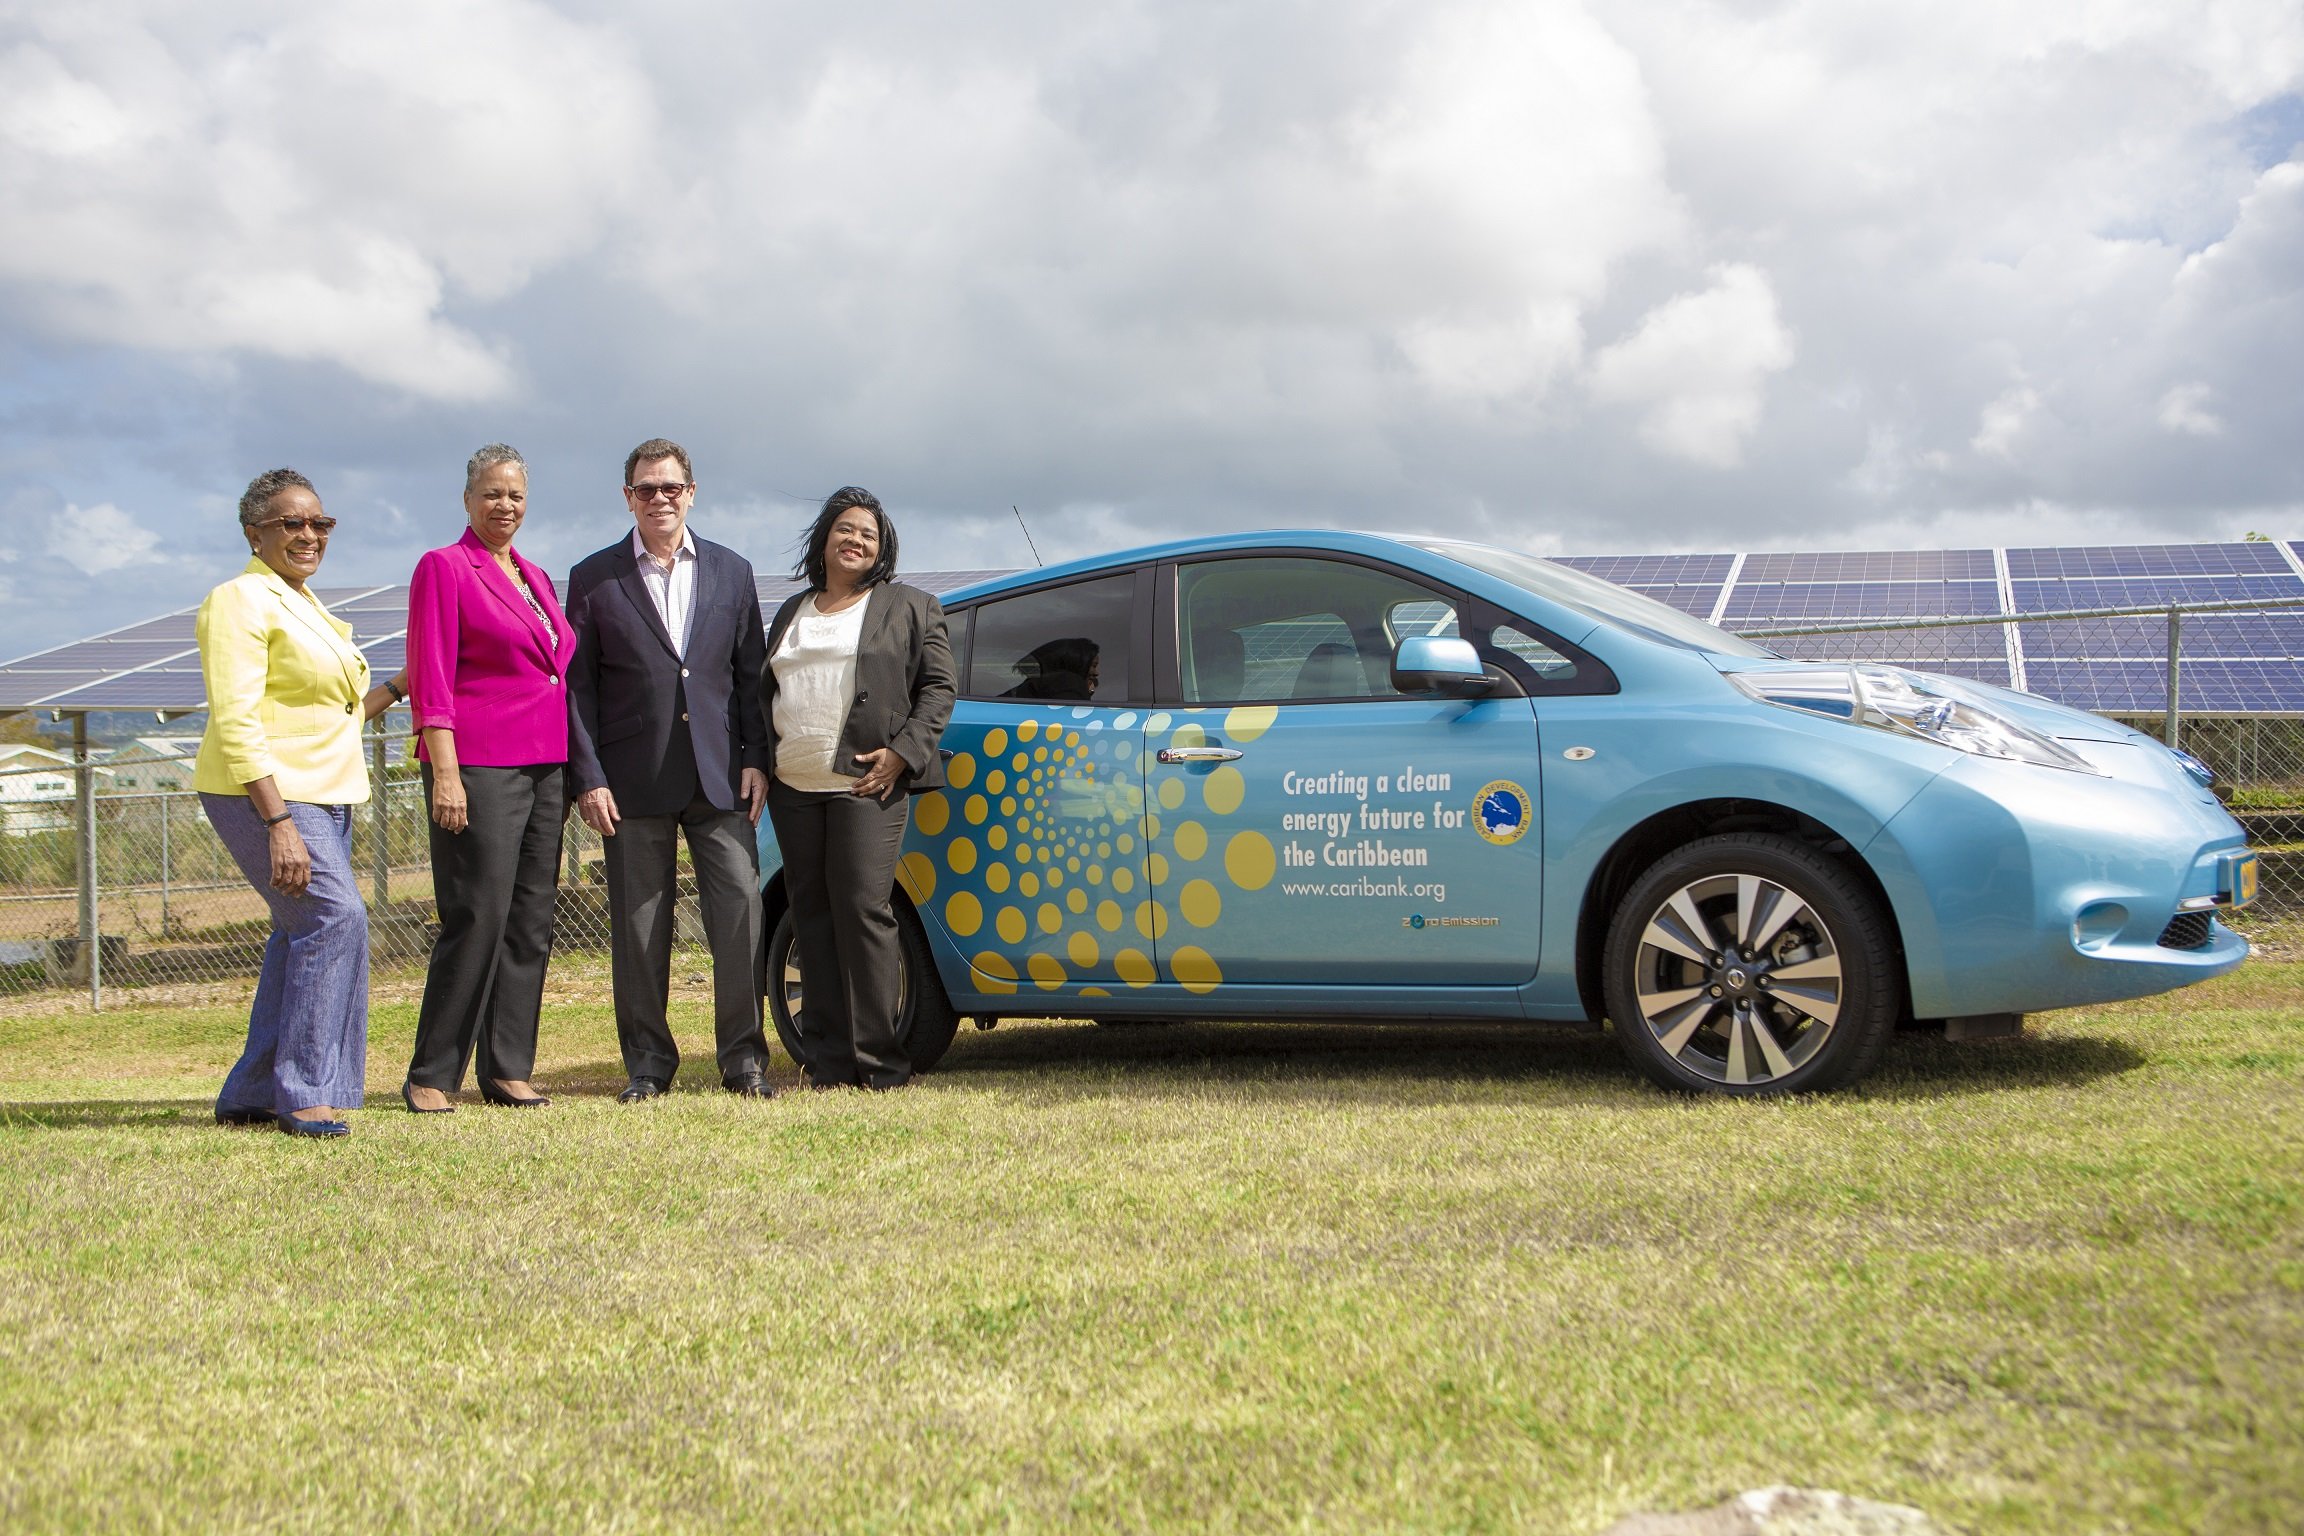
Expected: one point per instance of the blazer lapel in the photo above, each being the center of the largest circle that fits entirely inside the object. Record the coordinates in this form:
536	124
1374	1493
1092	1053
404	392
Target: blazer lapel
500	587
315	621
879	612
636	591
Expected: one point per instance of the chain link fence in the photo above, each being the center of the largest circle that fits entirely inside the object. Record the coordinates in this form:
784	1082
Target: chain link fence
172	907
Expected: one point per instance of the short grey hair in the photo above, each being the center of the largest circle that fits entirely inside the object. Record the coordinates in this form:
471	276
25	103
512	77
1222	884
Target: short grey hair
257	499
494	453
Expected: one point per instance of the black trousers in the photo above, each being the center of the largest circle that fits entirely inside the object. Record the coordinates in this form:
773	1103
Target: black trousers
495	883
643	885
839	868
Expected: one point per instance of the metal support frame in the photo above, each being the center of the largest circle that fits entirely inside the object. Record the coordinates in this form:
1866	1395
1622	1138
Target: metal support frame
2172	732
380	815
84	815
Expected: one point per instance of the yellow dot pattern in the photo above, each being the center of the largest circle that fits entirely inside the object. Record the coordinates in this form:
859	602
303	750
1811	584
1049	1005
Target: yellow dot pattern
1058	838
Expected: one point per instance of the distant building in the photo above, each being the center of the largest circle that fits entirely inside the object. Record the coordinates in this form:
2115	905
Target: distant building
35	789
152	765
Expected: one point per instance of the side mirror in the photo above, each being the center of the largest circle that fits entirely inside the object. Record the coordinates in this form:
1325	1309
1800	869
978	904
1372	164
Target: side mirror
1444	664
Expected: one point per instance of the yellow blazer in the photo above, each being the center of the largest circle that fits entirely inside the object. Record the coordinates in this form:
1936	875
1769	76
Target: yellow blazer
284	689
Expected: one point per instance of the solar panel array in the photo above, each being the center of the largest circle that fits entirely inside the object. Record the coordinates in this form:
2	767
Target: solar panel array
2247	663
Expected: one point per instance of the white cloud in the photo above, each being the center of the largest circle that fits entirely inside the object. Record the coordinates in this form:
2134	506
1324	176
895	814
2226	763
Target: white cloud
2000	430
324	184
1542	269
101	539
2185	409
1698	367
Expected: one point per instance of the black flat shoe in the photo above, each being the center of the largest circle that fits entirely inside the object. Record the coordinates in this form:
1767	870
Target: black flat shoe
408	1097
750	1085
496	1095
320	1128
242	1118
642	1088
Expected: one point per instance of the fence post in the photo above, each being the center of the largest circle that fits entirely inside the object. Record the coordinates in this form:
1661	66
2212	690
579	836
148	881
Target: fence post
84	813
381	813
2171	731
166	921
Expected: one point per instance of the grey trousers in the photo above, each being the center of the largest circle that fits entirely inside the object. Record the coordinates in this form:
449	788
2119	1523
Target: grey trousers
643	879
495	883
839	868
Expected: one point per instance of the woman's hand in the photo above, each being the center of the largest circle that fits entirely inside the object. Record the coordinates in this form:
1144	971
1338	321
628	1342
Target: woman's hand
877	772
291	860
450	813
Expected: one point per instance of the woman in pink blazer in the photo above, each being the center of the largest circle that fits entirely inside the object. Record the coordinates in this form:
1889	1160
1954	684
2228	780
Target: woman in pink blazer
488	652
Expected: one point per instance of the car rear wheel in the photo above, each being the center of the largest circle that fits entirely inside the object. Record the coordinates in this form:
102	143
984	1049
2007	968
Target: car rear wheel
1751	964
925	1022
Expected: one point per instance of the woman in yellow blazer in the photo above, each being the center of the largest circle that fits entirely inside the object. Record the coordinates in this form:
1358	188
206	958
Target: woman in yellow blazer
278	774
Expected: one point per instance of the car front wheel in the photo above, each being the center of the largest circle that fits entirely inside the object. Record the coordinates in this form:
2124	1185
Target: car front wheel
1751	964
925	1022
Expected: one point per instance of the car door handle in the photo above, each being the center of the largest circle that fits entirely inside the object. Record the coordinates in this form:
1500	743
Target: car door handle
1199	754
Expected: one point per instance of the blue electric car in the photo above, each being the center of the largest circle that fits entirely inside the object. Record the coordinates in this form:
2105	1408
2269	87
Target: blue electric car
1332	775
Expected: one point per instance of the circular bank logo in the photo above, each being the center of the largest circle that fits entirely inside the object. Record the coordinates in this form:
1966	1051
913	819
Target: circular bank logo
1503	812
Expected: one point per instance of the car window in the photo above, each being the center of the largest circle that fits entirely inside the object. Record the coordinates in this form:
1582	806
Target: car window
1297	628
1549	665
1067	642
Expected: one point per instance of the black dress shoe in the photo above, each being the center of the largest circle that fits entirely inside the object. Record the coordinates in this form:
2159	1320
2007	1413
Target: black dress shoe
496	1095
319	1128
642	1088
243	1117
408	1097
749	1085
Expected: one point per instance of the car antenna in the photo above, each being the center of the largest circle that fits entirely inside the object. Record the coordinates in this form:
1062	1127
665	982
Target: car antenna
1028	544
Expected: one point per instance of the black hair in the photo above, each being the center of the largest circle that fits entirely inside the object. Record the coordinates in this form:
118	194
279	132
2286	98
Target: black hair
810	566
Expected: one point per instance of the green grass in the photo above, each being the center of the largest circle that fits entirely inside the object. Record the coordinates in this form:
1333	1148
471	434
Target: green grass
1263	1277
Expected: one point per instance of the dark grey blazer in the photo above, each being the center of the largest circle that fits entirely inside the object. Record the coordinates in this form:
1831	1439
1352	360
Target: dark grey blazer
629	690
904	684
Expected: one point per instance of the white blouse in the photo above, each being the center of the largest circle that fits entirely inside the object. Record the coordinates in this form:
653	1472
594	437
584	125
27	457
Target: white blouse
815	667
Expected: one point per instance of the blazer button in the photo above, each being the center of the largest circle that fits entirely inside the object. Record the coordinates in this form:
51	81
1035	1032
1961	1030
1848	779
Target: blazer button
347	706
683	714
683	671
864	697
554	681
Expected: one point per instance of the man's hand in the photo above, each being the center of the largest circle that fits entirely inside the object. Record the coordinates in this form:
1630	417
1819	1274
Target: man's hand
877	772
598	808
752	789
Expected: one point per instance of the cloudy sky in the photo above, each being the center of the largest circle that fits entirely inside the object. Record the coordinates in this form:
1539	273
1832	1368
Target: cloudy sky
1580	277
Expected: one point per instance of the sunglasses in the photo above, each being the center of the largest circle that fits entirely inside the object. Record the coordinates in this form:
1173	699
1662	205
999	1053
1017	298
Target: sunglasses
670	489
322	526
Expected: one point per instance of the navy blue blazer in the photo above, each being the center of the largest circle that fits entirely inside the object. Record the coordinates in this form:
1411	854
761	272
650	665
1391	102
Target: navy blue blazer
629	690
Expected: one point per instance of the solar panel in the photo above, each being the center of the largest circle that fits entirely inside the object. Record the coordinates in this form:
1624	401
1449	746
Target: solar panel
1871	565
1808	602
2133	561
2233	662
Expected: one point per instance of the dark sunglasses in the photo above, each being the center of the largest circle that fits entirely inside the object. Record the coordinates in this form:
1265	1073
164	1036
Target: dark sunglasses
670	488
322	526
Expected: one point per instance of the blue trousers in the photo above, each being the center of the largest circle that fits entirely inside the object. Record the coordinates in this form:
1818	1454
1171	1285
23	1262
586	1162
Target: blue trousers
308	1028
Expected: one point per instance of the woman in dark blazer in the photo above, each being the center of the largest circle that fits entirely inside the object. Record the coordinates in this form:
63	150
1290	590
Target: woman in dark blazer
857	690
488	652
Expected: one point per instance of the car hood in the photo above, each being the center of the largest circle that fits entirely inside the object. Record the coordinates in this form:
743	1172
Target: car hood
2114	750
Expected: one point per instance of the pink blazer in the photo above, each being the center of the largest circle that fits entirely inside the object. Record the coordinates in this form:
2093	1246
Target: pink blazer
479	662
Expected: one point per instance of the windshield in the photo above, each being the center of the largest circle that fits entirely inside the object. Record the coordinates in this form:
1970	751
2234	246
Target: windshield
1602	600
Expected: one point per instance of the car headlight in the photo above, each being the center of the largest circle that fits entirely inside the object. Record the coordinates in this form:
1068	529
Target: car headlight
2193	766
1892	699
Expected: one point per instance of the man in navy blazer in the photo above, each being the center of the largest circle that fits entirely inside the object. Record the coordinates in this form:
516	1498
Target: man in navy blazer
666	737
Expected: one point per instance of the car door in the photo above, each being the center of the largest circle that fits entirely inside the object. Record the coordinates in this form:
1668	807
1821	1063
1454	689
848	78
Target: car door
1029	860
1308	823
